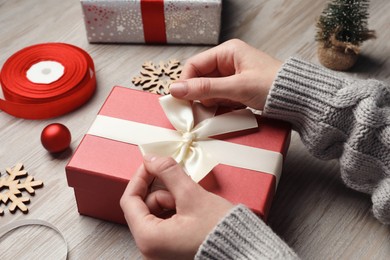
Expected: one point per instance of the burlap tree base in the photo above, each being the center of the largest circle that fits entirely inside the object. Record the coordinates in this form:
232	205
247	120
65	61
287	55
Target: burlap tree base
336	58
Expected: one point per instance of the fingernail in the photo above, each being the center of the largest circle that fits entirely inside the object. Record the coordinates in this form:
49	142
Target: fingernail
179	88
149	157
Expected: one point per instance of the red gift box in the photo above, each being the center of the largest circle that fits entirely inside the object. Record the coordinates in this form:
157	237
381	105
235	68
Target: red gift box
100	168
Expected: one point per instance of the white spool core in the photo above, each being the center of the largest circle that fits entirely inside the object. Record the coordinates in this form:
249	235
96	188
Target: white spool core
45	72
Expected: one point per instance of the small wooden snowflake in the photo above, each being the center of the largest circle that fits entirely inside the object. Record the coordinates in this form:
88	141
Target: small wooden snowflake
157	78
11	188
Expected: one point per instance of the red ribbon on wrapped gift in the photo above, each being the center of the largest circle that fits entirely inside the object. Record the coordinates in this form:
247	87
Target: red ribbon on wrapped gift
153	21
31	100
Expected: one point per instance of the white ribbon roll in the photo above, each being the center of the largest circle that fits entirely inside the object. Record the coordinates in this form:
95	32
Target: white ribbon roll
35	222
190	144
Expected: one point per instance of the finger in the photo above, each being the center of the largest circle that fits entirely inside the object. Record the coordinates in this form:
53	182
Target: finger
172	175
139	184
209	88
199	65
209	63
159	202
132	200
222	103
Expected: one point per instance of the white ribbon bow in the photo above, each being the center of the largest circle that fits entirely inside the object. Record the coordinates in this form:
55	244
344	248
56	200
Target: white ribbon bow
190	149
190	144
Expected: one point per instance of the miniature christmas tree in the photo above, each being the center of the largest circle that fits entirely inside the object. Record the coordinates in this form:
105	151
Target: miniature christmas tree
342	28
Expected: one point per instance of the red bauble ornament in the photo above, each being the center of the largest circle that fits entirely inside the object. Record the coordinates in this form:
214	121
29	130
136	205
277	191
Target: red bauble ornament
56	138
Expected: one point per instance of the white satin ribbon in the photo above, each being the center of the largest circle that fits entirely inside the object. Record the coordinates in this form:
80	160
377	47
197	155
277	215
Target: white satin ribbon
190	144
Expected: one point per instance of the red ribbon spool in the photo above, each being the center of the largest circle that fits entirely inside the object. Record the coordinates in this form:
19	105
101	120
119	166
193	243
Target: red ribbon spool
29	100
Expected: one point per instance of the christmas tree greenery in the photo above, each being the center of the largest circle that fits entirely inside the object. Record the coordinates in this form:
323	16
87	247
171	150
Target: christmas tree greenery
343	24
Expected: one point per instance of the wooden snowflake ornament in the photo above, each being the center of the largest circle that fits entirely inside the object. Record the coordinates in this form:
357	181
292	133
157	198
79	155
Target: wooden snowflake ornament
157	78
11	188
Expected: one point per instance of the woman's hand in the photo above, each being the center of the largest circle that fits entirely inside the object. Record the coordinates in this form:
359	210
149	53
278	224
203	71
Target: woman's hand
232	73
195	210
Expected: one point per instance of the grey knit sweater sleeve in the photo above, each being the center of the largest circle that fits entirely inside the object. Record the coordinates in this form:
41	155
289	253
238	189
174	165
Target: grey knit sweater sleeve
242	235
336	117
339	117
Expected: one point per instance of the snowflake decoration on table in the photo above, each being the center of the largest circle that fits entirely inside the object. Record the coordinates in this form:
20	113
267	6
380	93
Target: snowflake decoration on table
11	187
157	78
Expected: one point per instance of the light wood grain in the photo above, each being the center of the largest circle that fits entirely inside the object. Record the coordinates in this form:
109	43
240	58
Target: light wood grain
313	211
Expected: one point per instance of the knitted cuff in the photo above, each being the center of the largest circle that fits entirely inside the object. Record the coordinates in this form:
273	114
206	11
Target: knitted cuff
300	92
242	235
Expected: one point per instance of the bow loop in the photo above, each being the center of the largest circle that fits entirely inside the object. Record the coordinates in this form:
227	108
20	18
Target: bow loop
179	113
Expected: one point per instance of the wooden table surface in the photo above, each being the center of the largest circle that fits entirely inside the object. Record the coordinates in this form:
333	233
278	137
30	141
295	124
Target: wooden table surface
313	210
